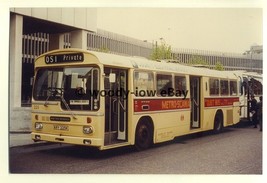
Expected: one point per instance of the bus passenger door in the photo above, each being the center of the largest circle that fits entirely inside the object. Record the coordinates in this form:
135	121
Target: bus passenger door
115	106
195	101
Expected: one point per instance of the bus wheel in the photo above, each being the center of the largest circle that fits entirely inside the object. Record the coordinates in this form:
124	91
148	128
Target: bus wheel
143	135
218	123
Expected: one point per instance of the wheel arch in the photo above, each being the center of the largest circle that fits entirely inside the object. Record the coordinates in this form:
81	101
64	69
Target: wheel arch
148	120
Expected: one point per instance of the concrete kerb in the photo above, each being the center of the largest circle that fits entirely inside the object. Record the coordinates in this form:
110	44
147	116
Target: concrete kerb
21	139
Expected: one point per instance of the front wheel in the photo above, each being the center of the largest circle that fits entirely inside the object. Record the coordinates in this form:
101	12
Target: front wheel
143	136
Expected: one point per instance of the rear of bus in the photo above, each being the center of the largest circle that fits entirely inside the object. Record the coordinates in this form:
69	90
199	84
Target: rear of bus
64	108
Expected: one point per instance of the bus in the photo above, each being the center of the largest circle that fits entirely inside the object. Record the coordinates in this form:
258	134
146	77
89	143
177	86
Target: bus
107	101
250	85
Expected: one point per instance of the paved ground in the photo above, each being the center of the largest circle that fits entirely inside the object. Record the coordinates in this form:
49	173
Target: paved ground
238	150
20	139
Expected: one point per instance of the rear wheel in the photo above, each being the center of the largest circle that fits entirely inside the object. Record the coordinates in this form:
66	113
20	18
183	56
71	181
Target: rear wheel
218	123
143	135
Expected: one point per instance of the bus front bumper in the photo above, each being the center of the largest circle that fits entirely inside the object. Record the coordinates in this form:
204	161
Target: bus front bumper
66	139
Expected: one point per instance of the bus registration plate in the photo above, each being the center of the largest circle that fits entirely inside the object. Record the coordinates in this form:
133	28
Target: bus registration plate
61	127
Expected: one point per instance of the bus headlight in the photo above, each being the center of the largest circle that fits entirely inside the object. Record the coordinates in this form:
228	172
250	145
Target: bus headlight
88	129
38	126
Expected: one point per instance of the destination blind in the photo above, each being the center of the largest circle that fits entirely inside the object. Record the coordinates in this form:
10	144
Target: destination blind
64	58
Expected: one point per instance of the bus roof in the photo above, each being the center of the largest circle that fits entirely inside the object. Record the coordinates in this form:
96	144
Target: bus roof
145	64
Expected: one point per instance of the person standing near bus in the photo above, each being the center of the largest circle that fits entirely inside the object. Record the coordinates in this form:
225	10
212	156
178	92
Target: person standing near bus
259	112
253	110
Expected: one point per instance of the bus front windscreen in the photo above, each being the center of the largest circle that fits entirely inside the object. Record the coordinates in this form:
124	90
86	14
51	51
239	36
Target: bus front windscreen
73	86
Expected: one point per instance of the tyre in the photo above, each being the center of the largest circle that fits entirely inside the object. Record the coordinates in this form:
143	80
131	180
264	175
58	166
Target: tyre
218	123
143	135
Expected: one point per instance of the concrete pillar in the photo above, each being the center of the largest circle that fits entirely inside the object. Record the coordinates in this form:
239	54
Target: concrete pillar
56	41
79	39
15	59
20	117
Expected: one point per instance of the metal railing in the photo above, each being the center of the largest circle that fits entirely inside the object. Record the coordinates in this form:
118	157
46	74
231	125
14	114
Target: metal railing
118	44
109	42
34	45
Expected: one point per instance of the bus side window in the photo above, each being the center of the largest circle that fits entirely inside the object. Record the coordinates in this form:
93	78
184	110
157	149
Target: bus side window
143	81
180	83
164	83
224	89
244	86
257	86
214	86
241	87
233	88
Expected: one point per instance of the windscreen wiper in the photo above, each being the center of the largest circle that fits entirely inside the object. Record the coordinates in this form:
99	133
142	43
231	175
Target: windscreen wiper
65	103
54	91
46	101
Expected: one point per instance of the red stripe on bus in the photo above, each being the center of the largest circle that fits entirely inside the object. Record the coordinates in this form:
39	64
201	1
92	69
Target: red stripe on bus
214	102
141	105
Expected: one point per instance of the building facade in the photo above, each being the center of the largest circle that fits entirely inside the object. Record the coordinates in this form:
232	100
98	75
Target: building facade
34	31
